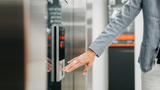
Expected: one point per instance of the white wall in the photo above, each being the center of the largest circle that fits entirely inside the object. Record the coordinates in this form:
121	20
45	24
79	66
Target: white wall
138	40
100	65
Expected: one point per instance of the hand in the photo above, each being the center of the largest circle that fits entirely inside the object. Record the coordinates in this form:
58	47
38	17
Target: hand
86	58
48	65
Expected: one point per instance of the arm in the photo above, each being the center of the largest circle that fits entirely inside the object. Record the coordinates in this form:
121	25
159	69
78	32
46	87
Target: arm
129	11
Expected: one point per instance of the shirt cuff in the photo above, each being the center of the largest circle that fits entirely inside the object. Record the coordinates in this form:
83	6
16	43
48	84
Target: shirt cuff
96	49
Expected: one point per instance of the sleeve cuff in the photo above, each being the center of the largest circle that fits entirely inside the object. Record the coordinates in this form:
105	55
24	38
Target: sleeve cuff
96	49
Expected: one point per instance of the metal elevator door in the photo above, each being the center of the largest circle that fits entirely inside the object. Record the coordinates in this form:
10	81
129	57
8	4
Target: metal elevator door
77	38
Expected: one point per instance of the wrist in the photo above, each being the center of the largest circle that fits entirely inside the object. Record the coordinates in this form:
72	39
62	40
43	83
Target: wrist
92	53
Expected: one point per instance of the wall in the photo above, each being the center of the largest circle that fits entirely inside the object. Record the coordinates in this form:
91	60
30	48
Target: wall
138	40
100	65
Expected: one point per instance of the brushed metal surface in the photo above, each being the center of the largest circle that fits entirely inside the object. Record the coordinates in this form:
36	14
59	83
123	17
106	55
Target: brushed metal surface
57	52
79	41
52	41
35	44
67	22
89	39
78	36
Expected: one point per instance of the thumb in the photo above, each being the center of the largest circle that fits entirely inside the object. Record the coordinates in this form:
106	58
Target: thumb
86	69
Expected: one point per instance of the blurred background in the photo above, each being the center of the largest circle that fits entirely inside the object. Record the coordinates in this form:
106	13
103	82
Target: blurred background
27	39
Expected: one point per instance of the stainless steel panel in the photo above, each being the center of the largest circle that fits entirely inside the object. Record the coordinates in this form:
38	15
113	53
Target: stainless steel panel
78	37
89	39
57	52
35	44
79	41
67	23
52	55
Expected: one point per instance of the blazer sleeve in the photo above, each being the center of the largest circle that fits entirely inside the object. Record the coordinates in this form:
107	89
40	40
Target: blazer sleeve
129	11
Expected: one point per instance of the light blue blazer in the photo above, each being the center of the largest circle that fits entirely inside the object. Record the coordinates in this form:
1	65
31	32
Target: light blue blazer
151	36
